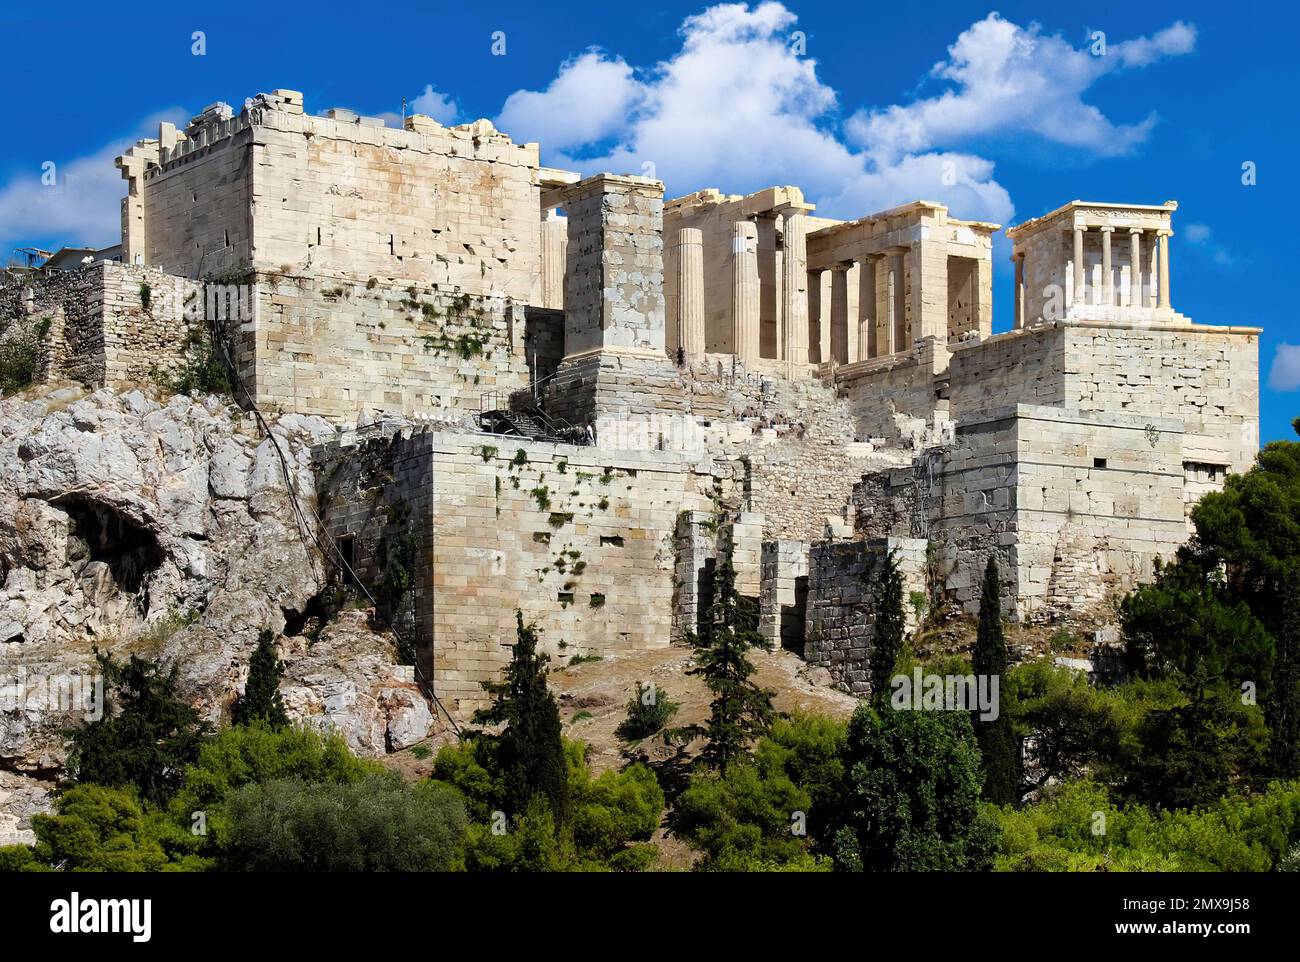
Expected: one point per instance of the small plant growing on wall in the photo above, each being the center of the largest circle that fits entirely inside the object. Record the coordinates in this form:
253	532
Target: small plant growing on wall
146	297
543	498
520	459
487	453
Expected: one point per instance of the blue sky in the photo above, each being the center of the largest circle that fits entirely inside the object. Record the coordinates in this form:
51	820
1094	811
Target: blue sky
863	114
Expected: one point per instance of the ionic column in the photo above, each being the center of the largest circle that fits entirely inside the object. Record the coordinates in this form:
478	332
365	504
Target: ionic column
867	346
1078	266
1153	272
895	335
555	241
1164	236
794	289
1019	260
690	291
1107	285
745	291
840	312
1135	267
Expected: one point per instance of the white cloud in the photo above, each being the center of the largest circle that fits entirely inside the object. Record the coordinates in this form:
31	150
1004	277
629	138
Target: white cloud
736	108
438	106
589	100
1008	79
1200	235
83	207
1284	375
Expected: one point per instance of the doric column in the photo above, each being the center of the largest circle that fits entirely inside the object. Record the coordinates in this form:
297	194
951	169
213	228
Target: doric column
1135	267
867	346
840	312
1019	320
1078	266
794	289
690	291
1164	236
1107	285
895	334
745	291
555	242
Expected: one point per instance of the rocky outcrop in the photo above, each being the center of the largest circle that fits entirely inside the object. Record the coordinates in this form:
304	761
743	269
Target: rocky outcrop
164	527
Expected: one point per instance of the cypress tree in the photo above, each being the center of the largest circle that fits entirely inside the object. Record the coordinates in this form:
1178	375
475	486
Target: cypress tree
996	737
1282	709
531	751
891	623
740	711
261	700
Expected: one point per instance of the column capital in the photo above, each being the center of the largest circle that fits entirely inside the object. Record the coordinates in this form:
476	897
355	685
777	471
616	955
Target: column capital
896	250
1164	232
1137	230
1106	229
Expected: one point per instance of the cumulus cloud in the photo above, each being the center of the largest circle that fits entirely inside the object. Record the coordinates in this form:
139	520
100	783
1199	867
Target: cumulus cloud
1201	236
590	100
436	105
1284	375
1010	79
82	207
737	107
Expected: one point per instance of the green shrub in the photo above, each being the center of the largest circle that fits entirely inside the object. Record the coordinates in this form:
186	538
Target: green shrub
647	713
379	824
19	360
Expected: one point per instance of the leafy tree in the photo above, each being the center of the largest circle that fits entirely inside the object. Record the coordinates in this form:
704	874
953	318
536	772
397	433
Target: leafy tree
530	752
146	736
378	824
1071	723
751	817
647	713
1078	827
891	624
261	700
245	755
996	737
611	816
101	829
1196	752
913	795
740	711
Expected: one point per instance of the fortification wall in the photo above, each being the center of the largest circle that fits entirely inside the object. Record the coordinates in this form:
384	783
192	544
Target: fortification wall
1018	367
333	346
107	323
881	389
1206	377
581	540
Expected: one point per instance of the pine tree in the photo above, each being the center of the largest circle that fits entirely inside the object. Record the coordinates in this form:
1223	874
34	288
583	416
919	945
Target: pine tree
1282	709
996	737
740	711
146	735
891	623
531	752
261	700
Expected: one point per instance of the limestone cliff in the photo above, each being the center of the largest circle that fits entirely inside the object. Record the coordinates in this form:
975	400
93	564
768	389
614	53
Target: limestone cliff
164	527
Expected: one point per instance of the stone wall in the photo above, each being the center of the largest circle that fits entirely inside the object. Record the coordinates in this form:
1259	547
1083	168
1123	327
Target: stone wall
581	540
278	189
107	323
333	347
842	603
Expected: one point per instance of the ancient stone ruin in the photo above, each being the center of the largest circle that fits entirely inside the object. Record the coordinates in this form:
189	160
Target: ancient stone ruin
568	395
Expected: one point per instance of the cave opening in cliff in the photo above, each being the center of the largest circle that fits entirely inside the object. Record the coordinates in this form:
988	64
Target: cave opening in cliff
98	532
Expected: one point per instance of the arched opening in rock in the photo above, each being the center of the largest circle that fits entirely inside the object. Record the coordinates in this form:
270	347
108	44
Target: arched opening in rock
100	533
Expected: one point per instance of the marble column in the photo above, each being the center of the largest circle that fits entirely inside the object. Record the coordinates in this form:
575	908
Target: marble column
1019	320
1153	275
840	312
1107	283
1135	267
794	289
744	291
896	333
555	243
690	291
1078	297
867	346
1164	236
